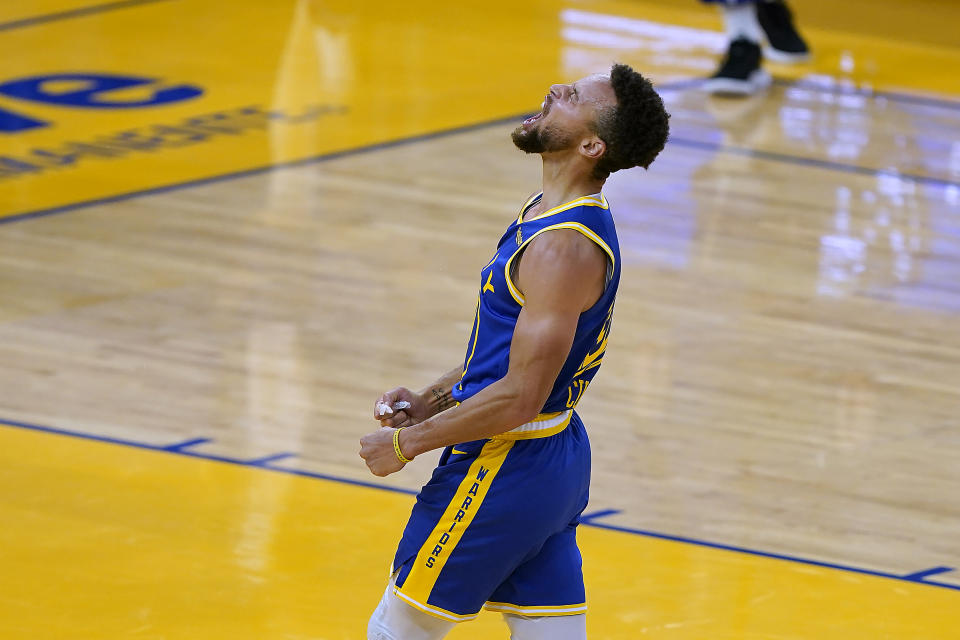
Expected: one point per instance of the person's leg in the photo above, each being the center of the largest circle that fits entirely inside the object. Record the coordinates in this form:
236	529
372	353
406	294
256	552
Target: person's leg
786	45
420	602
549	581
476	532
485	514
740	72
740	21
547	628
394	619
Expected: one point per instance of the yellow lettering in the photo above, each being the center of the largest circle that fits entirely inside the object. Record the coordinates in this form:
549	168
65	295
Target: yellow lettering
575	392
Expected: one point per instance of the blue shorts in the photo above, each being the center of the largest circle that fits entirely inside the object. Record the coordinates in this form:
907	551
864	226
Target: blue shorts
495	527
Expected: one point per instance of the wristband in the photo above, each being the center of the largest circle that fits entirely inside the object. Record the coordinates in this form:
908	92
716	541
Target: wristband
396	446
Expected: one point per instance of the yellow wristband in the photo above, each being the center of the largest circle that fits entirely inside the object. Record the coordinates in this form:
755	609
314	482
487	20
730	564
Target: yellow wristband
396	446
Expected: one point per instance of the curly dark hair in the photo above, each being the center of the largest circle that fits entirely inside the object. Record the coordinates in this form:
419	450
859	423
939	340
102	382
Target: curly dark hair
636	130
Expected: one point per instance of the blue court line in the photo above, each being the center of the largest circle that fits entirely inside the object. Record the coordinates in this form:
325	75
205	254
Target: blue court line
588	518
920	575
912	578
775	556
180	446
74	13
264	461
893	96
810	162
195	454
378	146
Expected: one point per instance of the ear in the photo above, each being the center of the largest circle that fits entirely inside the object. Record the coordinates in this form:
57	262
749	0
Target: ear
593	147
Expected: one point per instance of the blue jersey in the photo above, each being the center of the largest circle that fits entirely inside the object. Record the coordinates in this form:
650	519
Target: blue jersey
518	553
500	302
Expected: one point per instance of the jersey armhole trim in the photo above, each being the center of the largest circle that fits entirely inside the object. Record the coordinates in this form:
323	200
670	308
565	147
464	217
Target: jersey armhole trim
576	226
529	203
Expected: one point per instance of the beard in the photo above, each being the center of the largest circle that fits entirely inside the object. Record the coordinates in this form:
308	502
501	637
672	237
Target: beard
540	139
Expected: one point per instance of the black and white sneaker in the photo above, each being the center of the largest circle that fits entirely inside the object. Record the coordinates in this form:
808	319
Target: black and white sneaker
740	74
786	43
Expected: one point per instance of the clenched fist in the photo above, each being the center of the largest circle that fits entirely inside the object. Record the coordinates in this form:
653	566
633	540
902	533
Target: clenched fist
377	451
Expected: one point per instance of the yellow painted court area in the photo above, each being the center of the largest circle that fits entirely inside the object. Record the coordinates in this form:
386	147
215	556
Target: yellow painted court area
284	81
113	541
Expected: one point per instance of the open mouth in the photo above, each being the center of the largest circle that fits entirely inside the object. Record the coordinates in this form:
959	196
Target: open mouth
544	108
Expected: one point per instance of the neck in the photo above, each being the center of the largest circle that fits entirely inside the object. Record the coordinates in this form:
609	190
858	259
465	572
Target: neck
566	179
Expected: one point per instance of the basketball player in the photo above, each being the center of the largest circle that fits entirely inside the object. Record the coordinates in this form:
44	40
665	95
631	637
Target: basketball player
495	526
747	23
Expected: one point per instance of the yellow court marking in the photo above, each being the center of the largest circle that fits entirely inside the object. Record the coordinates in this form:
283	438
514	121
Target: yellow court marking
107	541
262	84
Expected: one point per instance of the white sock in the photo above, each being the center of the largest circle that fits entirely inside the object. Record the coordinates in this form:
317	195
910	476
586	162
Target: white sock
547	628
740	21
394	619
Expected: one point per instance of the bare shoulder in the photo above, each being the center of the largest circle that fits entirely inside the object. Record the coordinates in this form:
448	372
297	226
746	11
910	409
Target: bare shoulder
563	249
564	263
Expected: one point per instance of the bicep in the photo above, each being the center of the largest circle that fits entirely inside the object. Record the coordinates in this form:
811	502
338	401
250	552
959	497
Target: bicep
541	342
557	273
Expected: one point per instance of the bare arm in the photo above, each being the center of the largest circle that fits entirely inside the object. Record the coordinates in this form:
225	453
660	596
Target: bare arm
561	274
439	395
427	403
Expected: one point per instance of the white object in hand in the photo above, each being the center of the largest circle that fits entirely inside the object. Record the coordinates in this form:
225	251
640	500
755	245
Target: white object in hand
383	408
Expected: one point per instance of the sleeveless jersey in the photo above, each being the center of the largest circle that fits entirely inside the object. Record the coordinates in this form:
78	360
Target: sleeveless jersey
500	303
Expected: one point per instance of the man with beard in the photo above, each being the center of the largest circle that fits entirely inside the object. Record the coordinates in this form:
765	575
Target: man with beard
495	526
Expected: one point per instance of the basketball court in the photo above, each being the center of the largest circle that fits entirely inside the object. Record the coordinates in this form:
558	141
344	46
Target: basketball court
225	229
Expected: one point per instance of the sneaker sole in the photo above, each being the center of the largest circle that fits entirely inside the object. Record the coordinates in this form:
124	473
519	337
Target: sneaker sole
758	80
785	57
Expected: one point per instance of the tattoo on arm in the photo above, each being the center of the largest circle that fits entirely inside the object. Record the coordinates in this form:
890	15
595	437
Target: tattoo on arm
443	397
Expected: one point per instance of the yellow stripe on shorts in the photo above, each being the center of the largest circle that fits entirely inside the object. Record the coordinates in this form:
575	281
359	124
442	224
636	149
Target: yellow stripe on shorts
450	528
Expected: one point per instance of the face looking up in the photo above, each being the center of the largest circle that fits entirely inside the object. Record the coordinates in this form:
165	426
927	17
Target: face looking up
568	116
